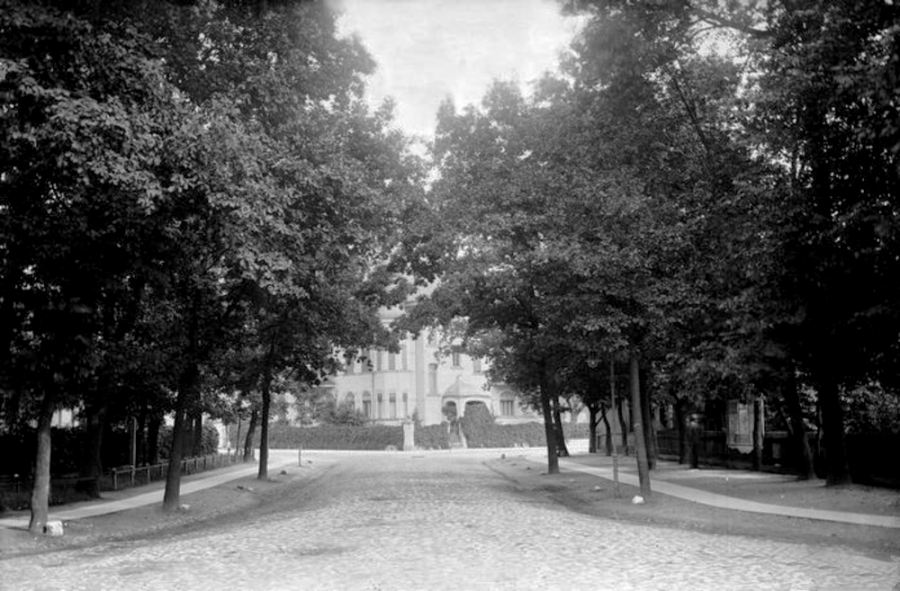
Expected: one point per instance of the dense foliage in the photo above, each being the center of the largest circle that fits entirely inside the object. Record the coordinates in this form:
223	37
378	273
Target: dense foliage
708	192
432	436
195	203
198	209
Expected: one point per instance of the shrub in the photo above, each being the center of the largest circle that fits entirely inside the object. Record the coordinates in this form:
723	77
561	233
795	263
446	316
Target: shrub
209	443
364	437
481	430
343	414
577	430
432	436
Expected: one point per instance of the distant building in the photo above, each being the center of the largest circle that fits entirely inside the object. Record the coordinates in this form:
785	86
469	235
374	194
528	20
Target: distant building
418	381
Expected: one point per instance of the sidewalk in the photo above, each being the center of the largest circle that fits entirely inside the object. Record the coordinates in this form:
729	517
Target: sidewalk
661	482
114	501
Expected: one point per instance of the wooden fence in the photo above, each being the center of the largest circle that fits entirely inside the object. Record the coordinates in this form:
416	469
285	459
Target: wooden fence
127	476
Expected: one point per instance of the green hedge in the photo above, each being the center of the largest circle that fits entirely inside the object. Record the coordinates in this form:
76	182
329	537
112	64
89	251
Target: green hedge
432	436
209	443
577	431
478	426
481	430
365	437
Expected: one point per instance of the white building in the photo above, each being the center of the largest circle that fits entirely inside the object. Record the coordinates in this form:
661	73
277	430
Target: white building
418	381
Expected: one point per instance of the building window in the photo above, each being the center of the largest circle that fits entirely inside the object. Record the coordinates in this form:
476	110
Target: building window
379	359
350	400
392	400
392	361
404	361
507	406
405	405
476	364
367	405
455	359
380	405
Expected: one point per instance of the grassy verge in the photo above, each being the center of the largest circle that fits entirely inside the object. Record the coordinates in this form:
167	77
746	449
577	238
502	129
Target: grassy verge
593	496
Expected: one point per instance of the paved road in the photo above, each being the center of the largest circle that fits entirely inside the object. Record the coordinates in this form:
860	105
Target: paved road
400	521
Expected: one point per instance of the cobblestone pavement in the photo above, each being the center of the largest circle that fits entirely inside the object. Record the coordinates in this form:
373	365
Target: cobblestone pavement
443	521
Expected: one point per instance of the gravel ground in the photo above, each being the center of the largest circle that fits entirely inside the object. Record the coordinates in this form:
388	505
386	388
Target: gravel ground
249	498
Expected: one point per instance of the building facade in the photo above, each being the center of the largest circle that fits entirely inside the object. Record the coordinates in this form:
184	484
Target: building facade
418	382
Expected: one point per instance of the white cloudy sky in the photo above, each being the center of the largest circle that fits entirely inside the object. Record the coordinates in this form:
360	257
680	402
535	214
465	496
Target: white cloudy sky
429	49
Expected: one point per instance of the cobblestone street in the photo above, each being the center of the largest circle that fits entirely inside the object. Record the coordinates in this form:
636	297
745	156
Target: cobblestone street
443	521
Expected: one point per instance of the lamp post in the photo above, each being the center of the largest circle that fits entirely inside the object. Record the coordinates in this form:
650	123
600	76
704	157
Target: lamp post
593	361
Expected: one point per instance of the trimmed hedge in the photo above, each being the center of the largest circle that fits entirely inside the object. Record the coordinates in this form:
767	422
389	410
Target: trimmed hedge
478	426
365	437
432	436
577	430
481	430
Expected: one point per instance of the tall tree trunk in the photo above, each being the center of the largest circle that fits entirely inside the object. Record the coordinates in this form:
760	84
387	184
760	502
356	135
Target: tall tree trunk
549	430
237	436
187	386
758	431
40	492
562	449
680	424
639	442
92	463
265	390
833	424
649	426
623	425
251	432
592	429
172	496
608	427
197	431
802	451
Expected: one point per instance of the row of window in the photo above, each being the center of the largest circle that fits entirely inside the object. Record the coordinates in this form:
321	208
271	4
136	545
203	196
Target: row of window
392	410
365	363
378	410
399	361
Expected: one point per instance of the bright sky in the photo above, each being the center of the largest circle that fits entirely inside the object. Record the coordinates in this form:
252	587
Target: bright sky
430	49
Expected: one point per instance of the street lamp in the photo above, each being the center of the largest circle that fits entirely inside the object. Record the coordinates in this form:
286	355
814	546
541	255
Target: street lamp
593	361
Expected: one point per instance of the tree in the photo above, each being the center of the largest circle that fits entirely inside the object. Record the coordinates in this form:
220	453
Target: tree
815	109
300	185
825	103
211	166
82	183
